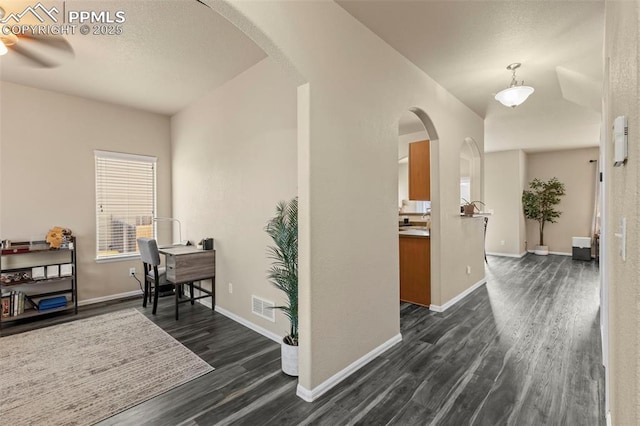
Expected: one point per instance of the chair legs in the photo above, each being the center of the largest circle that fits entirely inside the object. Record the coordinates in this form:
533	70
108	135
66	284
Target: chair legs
156	292
145	295
149	289
147	292
147	286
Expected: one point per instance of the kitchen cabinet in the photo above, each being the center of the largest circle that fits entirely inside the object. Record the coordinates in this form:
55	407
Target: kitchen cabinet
415	270
419	171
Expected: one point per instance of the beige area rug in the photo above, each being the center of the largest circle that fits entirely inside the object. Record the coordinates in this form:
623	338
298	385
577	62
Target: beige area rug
87	370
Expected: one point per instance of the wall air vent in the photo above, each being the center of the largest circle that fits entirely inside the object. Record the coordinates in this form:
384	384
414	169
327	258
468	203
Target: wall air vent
263	308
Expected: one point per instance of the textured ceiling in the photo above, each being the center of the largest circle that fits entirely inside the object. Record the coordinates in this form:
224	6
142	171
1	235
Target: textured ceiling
169	53
466	45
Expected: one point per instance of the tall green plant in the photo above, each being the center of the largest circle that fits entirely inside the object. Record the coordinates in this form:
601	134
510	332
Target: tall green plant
283	229
540	200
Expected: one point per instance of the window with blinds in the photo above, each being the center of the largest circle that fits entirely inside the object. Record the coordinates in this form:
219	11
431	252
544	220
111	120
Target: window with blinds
125	202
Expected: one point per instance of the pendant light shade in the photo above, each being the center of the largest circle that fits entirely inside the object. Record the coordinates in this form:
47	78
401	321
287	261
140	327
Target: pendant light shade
515	94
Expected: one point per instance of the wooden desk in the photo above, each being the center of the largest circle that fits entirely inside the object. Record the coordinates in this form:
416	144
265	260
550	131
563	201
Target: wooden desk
186	264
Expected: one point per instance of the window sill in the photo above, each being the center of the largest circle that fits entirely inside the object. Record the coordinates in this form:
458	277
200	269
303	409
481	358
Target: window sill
120	258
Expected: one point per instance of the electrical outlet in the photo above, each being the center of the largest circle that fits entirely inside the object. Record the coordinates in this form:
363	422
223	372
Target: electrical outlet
468	270
230	288
501	242
132	272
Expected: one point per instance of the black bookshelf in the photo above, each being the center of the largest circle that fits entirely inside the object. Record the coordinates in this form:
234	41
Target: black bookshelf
26	292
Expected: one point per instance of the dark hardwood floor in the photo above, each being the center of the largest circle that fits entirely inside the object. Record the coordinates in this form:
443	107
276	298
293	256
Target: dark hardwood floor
523	350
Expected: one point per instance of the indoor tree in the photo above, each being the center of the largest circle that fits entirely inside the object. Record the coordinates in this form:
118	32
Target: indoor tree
540	201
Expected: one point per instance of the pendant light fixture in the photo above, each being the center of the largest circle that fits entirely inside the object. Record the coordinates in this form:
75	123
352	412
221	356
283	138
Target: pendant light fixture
515	94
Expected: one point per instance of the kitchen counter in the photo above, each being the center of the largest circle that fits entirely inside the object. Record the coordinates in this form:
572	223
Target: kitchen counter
414	231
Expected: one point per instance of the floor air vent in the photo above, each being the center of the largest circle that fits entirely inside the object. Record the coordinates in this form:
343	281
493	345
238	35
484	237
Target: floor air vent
263	308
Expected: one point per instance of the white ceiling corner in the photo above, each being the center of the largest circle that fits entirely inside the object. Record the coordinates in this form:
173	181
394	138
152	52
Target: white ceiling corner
466	45
169	54
580	89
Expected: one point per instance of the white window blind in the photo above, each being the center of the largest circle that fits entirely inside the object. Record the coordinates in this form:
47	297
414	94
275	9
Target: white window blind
125	202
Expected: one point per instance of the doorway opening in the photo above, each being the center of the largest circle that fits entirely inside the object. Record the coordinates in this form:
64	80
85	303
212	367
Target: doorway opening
417	197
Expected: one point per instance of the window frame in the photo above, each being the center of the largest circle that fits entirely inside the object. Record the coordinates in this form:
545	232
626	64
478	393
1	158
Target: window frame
101	155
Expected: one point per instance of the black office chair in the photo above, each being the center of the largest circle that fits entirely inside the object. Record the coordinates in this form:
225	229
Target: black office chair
154	275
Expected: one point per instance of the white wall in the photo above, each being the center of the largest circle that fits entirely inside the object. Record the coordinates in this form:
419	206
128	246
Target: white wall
572	168
503	192
358	88
48	175
622	97
234	158
522	221
508	173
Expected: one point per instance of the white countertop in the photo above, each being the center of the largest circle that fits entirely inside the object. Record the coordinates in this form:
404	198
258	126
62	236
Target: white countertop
412	232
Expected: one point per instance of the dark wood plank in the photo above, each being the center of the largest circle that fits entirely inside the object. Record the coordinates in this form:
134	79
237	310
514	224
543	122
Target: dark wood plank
523	350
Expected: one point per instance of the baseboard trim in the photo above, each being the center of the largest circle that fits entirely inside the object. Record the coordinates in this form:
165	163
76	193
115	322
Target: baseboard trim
260	330
311	395
206	302
507	254
559	253
126	295
458	298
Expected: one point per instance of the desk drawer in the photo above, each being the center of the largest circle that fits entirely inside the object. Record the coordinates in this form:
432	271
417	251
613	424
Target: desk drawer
191	267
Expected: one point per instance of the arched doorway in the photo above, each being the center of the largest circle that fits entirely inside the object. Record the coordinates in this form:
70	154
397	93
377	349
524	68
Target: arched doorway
417	202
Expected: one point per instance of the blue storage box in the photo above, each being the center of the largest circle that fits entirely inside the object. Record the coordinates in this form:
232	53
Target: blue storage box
52	303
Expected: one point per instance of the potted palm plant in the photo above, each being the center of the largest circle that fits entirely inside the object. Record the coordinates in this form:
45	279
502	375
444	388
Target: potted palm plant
539	204
283	230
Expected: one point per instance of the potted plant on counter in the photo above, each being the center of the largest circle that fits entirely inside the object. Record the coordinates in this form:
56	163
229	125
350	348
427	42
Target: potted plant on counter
283	230
539	204
469	208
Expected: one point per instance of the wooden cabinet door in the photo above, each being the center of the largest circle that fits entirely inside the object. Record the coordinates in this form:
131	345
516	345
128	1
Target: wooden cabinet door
415	270
419	171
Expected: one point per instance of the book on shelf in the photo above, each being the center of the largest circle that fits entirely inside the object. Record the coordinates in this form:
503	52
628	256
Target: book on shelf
16	247
5	304
12	303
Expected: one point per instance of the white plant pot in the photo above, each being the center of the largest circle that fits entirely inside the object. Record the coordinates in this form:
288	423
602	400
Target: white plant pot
541	250
289	358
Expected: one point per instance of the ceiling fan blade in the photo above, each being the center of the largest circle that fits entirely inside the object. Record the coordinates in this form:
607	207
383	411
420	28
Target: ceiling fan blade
32	56
55	42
